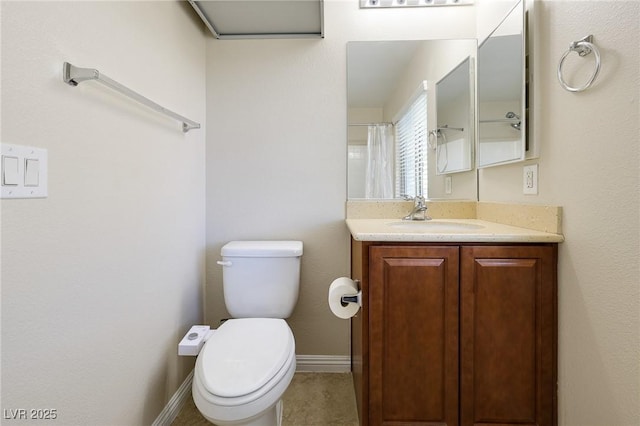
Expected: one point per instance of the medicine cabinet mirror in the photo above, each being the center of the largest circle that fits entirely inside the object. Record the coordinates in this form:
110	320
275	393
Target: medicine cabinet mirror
382	80
453	138
502	112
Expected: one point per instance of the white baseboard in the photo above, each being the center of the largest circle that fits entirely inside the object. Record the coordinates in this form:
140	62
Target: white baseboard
323	363
175	404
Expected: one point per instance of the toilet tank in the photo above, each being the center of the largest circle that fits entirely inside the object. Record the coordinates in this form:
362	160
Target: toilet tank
261	279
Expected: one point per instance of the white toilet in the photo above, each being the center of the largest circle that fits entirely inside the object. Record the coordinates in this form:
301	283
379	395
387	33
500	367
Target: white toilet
246	365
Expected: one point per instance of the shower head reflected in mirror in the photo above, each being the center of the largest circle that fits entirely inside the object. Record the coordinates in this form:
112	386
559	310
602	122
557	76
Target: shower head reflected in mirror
512	114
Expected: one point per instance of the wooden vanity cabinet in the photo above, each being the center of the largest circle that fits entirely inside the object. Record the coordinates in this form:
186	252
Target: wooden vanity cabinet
413	335
455	334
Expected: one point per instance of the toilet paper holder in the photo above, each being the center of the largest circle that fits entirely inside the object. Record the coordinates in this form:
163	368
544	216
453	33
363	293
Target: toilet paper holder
352	298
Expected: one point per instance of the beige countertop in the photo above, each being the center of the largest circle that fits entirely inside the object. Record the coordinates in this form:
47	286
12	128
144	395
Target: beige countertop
446	230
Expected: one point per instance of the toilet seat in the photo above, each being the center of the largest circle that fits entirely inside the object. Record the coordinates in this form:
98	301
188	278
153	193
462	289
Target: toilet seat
244	368
244	355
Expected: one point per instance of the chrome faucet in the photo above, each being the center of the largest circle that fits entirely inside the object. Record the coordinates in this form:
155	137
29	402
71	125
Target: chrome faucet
419	211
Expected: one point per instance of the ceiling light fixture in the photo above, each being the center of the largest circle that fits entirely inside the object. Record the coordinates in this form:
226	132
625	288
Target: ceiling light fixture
375	4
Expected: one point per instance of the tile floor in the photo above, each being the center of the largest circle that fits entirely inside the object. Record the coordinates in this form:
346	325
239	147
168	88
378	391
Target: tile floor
312	399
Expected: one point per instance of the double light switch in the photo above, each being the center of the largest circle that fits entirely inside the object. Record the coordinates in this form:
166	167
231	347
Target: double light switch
24	171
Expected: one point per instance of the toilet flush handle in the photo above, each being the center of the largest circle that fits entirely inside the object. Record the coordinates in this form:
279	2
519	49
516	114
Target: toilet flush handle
224	262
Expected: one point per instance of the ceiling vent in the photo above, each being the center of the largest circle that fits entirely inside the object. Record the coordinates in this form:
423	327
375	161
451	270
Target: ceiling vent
233	19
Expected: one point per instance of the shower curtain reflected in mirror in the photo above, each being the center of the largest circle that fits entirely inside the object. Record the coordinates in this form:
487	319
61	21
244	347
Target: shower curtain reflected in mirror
379	173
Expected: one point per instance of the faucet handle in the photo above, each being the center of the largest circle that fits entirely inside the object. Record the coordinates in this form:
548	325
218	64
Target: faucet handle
419	211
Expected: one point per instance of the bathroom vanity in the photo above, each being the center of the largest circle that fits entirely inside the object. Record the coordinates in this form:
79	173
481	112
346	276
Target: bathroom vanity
456	328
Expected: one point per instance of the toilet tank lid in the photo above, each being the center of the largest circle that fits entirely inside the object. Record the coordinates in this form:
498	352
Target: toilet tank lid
262	249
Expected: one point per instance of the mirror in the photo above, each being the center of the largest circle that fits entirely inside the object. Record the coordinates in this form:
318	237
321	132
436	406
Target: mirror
501	93
453	139
382	80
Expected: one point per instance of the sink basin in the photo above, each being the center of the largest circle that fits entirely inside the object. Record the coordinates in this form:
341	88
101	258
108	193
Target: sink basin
434	226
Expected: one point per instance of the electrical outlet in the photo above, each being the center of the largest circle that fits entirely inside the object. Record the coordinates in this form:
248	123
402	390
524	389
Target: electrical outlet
447	185
530	180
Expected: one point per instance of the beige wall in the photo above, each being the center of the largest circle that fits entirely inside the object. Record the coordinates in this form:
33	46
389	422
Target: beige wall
101	279
590	165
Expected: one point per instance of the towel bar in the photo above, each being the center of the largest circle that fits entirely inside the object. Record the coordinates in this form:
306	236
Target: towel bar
73	76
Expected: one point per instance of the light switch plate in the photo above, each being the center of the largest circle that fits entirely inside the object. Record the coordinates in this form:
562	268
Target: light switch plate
31	179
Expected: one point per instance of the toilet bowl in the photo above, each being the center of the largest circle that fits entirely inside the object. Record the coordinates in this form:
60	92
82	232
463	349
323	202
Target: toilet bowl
243	370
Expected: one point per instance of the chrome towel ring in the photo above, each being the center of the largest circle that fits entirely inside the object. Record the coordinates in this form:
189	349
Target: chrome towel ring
583	47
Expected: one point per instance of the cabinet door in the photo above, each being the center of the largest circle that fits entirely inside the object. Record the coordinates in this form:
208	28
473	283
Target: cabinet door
413	335
508	335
